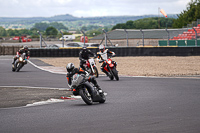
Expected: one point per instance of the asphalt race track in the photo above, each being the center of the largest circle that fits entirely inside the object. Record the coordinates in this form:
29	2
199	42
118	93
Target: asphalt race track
134	105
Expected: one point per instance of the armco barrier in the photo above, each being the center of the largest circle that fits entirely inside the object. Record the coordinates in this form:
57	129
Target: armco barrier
121	51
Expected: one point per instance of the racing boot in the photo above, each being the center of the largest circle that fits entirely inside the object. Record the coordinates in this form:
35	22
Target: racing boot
99	89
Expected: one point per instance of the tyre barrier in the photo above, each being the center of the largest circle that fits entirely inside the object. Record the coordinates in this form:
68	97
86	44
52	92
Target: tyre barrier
120	51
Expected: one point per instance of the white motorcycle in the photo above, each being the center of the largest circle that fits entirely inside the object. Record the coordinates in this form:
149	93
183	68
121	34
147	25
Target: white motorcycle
19	63
90	66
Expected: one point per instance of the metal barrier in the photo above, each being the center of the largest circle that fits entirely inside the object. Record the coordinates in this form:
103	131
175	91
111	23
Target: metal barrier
9	50
121	51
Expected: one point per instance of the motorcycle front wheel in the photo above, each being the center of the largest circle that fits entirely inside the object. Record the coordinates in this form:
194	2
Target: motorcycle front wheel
85	95
96	74
19	66
110	74
13	68
103	98
115	73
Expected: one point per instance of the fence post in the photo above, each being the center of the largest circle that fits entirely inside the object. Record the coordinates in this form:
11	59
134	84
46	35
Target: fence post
3	50
167	37
105	37
142	37
62	39
195	36
83	36
40	38
126	36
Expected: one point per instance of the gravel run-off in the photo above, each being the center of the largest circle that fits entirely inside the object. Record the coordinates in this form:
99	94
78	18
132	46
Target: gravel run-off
143	66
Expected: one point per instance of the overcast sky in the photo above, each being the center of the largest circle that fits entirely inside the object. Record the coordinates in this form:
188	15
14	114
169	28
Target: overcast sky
88	8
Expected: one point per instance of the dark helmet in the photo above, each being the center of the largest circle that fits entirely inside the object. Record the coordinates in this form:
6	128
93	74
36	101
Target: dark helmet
25	48
70	67
101	48
84	48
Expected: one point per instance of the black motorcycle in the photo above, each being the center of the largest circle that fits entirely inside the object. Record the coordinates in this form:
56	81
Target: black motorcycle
19	63
88	93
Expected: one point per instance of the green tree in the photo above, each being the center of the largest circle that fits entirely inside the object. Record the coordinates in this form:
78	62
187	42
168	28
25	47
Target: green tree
92	33
51	31
192	13
146	23
2	31
84	28
58	26
10	32
41	26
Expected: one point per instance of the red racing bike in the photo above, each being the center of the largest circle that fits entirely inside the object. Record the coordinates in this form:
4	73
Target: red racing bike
110	67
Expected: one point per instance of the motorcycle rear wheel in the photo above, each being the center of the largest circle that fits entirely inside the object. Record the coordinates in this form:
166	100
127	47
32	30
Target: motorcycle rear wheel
86	96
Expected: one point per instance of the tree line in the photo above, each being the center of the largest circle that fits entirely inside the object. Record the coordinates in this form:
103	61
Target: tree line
47	29
146	23
192	13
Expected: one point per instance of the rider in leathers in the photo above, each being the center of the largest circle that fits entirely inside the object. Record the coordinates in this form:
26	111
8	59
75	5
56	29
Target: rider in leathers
21	51
72	70
103	55
84	55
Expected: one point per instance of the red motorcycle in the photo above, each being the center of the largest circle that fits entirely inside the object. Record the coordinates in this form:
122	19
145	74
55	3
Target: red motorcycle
90	66
110	67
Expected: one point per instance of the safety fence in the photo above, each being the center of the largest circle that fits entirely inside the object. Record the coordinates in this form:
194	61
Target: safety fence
9	50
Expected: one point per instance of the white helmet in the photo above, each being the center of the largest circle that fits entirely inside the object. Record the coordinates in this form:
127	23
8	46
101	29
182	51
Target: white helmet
101	48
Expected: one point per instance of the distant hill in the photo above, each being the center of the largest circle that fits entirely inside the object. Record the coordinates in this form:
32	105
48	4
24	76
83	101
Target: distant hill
71	21
69	17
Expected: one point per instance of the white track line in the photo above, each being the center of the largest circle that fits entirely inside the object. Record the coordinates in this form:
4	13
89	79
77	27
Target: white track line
44	69
36	87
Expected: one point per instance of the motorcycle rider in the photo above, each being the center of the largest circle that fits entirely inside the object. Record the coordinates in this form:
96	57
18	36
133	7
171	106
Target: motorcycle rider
71	70
84	55
21	51
103	55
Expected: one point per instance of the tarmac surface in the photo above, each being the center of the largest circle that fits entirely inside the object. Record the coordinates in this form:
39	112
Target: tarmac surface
133	104
16	95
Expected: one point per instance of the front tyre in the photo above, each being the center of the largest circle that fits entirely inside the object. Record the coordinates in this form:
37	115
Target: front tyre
96	73
19	66
115	73
13	68
103	98
85	95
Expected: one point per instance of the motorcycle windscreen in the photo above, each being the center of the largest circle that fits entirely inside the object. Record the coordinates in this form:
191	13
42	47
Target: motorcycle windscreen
77	79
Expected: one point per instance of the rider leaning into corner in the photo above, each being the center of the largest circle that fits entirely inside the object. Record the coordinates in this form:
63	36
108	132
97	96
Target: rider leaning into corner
84	55
103	55
71	70
21	51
